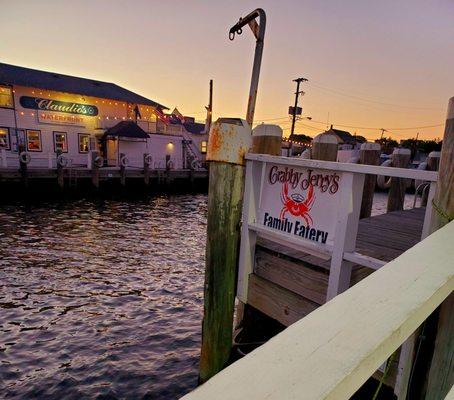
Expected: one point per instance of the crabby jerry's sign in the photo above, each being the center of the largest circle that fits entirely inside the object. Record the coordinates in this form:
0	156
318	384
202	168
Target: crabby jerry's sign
301	202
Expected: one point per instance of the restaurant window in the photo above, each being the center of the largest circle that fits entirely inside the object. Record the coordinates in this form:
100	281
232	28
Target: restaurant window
84	143
34	140
4	139
6	97
60	142
203	146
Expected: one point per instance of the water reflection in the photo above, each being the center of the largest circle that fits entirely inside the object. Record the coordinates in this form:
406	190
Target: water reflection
101	300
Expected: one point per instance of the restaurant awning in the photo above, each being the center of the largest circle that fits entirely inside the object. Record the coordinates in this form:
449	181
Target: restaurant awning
126	130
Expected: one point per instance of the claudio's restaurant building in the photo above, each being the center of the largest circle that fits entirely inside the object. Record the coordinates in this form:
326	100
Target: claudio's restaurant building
44	115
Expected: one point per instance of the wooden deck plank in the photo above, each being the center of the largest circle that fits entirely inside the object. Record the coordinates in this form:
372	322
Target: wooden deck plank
281	304
293	275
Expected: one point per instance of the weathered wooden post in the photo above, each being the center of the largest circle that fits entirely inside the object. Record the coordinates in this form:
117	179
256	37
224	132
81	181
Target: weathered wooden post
60	178
228	143
123	163
4	160
95	168
369	154
324	147
433	162
441	372
396	196
266	139
168	163
23	157
146	168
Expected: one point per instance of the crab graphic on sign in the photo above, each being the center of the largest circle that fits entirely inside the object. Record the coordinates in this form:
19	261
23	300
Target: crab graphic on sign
296	204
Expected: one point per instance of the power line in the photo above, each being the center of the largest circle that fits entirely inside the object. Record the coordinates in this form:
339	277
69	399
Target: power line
340	93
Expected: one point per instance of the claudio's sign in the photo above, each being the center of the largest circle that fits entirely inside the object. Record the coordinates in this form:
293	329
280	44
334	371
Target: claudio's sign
300	201
37	103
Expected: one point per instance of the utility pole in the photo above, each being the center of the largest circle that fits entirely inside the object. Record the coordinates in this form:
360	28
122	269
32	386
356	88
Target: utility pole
297	93
209	109
382	132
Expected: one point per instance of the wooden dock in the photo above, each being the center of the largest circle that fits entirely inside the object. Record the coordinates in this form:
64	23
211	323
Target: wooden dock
71	177
297	282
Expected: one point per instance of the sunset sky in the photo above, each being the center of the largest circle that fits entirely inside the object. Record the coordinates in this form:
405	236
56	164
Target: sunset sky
370	64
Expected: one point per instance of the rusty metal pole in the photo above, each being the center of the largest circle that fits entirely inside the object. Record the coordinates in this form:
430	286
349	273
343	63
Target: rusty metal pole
258	29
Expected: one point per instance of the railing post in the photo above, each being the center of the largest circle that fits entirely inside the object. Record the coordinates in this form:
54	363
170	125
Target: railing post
226	148
396	195
369	154
324	147
440	375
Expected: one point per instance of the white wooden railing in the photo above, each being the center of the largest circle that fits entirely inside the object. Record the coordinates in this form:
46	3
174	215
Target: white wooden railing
342	215
330	353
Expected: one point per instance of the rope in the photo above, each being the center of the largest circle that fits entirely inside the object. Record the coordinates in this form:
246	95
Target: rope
442	213
385	374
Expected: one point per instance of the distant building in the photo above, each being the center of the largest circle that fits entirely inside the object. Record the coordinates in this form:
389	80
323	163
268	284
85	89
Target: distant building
345	139
43	113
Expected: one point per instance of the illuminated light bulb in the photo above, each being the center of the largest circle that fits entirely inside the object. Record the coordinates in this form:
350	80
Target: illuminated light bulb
99	117
33	92
107	117
115	117
116	104
32	114
110	103
40	92
124	117
103	102
21	113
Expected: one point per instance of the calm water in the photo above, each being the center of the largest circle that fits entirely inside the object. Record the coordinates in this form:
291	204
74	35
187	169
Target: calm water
101	300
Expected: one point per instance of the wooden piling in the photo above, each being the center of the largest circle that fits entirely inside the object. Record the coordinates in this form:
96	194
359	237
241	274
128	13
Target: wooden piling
146	169
266	139
225	200
396	196
122	170
60	177
369	154
167	178
433	162
441	371
94	169
23	167
324	147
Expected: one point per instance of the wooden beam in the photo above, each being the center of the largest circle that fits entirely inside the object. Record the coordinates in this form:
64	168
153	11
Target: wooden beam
347	167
